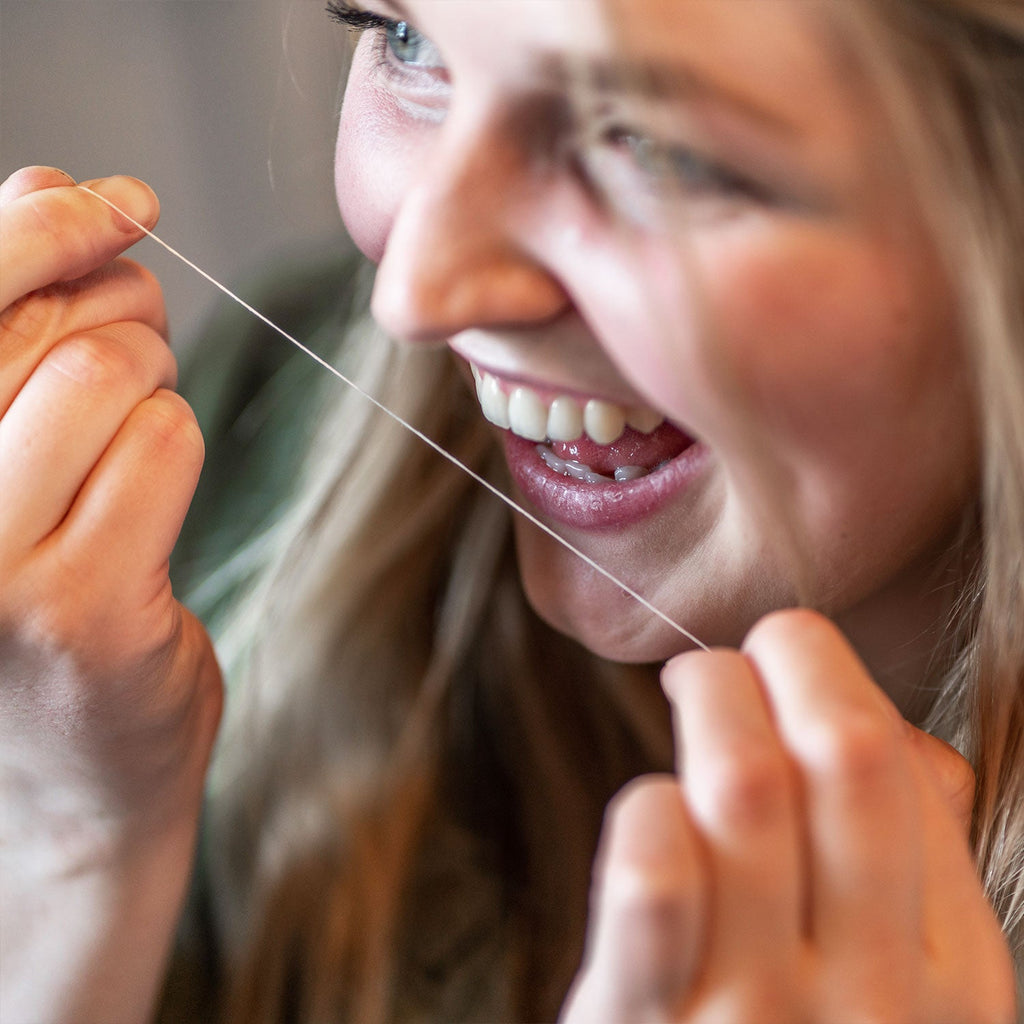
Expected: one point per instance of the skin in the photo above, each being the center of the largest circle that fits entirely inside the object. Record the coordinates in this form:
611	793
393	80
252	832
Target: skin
812	839
110	689
806	341
808	860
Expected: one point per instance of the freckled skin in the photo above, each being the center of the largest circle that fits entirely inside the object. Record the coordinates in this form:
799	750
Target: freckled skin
808	342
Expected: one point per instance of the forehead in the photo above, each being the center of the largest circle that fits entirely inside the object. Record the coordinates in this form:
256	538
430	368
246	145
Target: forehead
765	48
768	68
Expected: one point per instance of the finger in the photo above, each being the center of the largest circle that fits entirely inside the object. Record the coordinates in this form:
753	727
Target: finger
950	771
58	234
130	509
742	795
959	925
860	795
64	418
120	291
648	908
948	862
32	179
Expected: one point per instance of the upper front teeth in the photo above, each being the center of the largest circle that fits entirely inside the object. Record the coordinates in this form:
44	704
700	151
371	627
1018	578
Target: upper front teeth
564	418
527	414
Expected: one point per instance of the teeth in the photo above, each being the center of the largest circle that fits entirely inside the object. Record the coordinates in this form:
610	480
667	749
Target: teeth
562	419
565	419
581	471
528	416
493	401
646	421
603	422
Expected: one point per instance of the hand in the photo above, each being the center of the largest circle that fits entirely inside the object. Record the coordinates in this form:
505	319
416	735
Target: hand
109	689
809	866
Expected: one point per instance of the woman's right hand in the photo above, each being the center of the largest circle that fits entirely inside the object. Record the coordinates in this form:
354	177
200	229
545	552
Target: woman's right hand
109	690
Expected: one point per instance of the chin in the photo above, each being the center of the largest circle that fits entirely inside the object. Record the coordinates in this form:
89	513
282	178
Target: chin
580	603
576	600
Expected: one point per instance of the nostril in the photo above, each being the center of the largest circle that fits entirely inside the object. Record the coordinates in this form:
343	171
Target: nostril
405	308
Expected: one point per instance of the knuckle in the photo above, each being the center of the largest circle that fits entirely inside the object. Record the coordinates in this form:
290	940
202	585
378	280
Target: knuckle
38	320
101	361
644	896
645	880
648	909
172	427
745	788
961	779
61	623
77	632
136	274
136	287
67	224
861	750
30	321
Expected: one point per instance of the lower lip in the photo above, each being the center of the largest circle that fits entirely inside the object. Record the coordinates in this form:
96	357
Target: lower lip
608	506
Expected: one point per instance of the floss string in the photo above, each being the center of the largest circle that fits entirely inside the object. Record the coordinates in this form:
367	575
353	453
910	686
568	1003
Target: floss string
430	442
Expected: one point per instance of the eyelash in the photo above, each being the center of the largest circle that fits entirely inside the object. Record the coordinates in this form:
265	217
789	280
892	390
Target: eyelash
403	55
355	17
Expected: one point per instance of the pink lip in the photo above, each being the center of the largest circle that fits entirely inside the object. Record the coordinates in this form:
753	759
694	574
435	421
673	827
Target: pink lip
609	506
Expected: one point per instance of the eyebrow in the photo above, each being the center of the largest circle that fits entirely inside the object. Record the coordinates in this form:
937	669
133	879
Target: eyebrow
641	79
657	80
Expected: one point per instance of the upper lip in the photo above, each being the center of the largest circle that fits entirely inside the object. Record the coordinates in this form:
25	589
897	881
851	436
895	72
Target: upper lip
558	358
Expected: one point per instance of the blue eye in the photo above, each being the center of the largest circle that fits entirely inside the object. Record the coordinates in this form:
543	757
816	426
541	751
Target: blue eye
409	46
398	40
679	166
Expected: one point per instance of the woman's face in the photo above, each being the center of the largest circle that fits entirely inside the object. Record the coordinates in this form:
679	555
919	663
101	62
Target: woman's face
701	219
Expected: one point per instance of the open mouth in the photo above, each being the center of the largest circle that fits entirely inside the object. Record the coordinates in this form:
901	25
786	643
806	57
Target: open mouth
588	462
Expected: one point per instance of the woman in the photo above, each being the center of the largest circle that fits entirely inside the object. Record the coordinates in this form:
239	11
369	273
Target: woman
777	241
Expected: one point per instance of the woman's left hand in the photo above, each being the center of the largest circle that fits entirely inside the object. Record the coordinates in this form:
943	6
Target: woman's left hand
809	864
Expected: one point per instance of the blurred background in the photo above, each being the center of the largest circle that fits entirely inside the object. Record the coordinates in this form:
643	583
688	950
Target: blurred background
227	108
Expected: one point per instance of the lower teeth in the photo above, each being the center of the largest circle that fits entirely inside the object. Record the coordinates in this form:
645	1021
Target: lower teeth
580	471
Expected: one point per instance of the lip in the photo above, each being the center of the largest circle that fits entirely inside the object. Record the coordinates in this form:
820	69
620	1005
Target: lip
560	359
610	506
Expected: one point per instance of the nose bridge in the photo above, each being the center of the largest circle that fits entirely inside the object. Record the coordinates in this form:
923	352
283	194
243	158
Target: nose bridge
459	253
475	148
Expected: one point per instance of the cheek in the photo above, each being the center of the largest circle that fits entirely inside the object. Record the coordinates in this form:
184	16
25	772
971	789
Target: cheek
830	344
844	362
371	164
806	336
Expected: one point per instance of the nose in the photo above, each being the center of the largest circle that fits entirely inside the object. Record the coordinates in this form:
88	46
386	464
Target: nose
459	251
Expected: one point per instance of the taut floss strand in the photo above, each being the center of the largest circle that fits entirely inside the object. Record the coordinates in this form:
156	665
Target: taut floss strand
443	452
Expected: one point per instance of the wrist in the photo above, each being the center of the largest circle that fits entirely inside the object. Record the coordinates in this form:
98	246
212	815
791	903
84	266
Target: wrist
86	929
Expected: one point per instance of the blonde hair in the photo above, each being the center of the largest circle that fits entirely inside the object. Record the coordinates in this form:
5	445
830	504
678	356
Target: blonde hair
400	755
951	76
413	769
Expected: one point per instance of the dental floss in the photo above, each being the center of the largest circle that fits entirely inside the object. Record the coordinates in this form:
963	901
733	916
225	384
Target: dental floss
639	598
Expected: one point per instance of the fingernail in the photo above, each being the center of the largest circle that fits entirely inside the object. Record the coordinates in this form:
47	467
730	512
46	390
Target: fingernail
29	179
132	197
63	174
673	669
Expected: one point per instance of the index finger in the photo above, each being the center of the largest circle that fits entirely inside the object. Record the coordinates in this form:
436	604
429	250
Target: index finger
62	232
862	814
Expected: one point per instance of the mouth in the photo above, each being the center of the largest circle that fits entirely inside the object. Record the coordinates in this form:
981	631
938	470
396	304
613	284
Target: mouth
587	461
